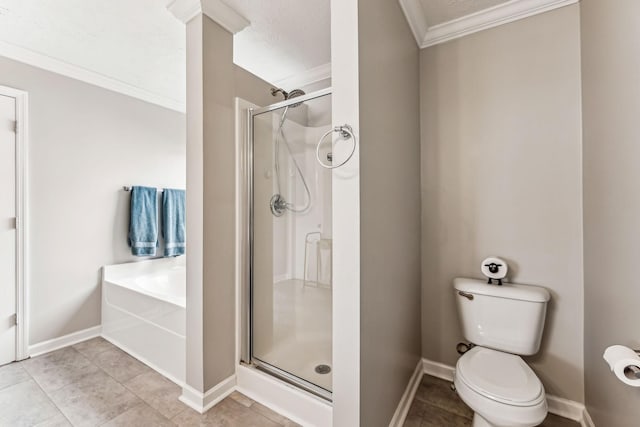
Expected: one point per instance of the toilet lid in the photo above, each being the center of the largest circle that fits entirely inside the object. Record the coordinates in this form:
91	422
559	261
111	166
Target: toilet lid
499	376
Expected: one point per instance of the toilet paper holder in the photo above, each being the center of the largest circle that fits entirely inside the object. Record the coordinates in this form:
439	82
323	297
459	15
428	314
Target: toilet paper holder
633	372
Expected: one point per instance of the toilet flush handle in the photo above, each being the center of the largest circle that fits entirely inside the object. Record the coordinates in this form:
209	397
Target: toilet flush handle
466	295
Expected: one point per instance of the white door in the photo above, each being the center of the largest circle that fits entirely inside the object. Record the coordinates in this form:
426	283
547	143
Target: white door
7	229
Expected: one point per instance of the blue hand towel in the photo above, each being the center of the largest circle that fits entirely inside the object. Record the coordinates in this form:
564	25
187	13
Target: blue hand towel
143	226
173	222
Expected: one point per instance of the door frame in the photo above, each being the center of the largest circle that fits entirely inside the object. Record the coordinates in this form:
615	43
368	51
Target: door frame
22	222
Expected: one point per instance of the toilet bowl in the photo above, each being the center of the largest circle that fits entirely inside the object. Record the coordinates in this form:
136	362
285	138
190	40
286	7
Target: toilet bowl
500	388
503	322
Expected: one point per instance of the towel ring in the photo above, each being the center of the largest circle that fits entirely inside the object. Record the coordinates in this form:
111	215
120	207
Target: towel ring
346	132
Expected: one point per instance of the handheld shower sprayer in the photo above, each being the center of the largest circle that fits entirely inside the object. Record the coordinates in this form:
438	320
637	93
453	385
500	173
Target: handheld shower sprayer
278	203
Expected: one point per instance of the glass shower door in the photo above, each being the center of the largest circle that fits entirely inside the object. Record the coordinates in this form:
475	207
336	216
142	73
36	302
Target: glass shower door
291	240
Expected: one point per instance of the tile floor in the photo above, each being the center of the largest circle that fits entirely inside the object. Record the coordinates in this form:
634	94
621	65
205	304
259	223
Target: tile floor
94	383
436	405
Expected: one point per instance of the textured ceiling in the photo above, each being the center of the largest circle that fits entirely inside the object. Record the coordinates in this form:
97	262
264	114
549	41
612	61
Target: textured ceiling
134	41
440	11
286	37
140	43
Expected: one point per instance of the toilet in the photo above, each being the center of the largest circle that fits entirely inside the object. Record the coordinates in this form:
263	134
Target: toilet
502	323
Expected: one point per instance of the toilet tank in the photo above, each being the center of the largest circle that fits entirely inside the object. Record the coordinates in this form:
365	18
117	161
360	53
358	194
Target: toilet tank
507	318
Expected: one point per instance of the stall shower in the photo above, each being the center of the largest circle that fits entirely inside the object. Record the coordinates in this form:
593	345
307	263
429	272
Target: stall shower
290	295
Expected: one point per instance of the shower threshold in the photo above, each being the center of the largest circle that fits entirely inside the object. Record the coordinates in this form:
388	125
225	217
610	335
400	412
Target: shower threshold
292	379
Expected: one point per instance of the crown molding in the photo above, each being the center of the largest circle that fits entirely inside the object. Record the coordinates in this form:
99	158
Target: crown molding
220	12
492	17
313	75
416	18
66	69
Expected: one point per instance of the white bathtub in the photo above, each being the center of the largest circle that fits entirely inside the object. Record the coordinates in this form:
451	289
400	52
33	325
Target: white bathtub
143	312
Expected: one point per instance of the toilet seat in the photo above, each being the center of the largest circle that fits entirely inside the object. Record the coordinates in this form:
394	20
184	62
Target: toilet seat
499	376
500	388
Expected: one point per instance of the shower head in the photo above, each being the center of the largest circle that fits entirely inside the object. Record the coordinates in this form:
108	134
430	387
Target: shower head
295	93
288	95
276	90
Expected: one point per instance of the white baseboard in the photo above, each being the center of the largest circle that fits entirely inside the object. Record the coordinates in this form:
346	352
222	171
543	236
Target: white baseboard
202	402
586	419
562	407
565	408
407	398
285	399
438	370
64	341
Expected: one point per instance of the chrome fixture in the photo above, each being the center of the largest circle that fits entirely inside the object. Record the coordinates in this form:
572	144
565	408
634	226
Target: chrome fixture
278	203
288	95
466	295
346	132
323	369
632	372
129	188
256	201
463	347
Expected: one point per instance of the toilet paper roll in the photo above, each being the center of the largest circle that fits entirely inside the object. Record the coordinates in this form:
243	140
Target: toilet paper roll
619	359
494	268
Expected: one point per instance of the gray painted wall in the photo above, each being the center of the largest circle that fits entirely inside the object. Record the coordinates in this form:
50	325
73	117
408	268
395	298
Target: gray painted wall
389	207
85	144
219	204
501	175
195	208
213	81
611	107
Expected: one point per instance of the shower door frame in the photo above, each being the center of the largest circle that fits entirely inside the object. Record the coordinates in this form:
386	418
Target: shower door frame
247	163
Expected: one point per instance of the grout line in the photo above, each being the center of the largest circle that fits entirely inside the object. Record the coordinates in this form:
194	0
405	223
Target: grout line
35	380
99	369
145	401
21	367
179	413
142	401
100	352
264	416
49	398
111	376
123	384
252	405
275	418
140	398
